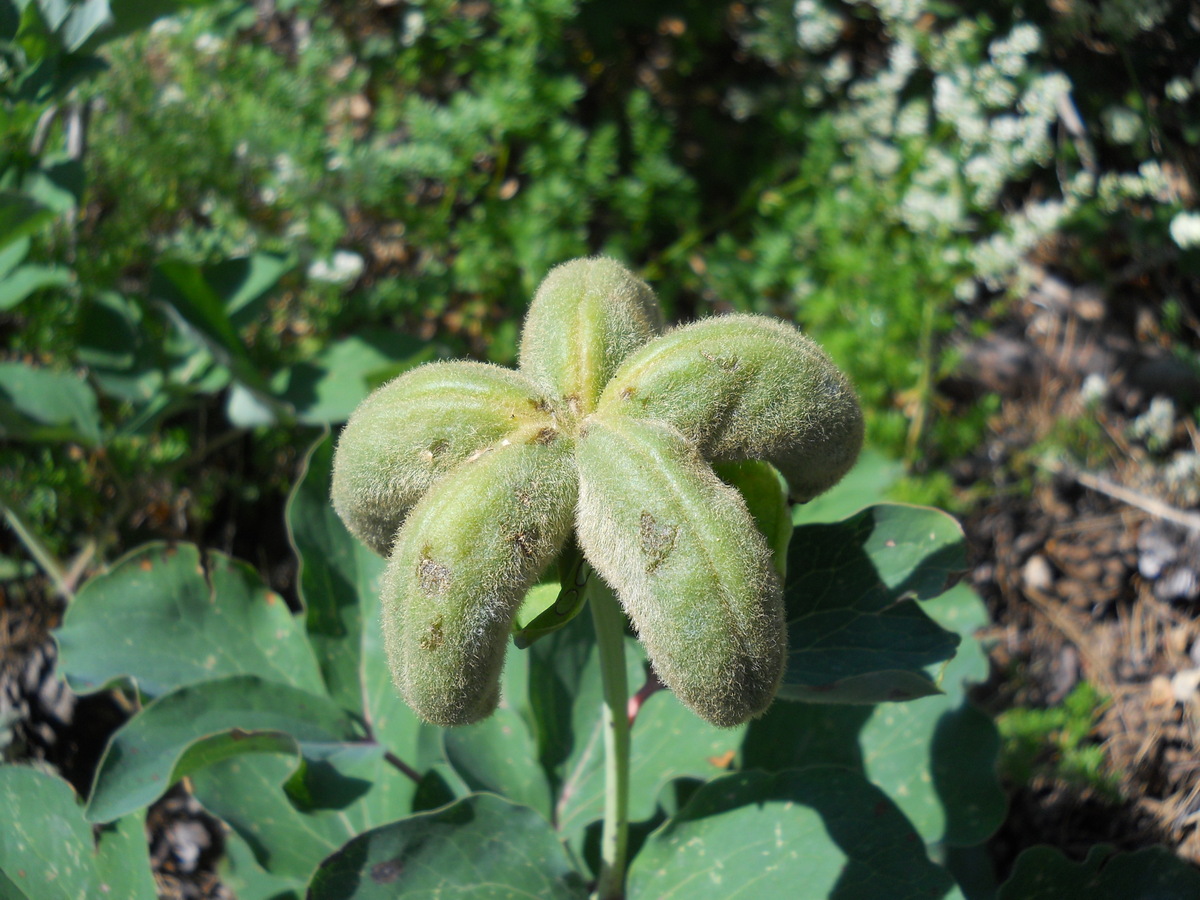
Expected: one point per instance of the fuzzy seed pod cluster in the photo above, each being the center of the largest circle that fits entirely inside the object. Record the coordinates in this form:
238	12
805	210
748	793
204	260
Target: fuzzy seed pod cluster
472	478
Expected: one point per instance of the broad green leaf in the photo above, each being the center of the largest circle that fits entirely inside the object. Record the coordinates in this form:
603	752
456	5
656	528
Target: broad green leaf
20	215
481	846
499	754
161	618
855	636
242	283
42	405
197	307
22	282
123	859
200	725
1153	873
863	486
808	834
295	813
47	851
11	254
240	872
328	387
935	757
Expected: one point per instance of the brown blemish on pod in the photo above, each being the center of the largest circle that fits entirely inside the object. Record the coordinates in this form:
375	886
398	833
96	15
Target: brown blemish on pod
526	542
434	450
433	578
544	436
657	540
433	639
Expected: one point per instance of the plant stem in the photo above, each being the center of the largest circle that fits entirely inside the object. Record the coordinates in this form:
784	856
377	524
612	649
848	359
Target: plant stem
610	641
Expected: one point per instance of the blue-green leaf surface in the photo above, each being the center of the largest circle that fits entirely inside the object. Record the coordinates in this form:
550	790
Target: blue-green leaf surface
161	618
202	724
47	849
805	834
479	847
855	635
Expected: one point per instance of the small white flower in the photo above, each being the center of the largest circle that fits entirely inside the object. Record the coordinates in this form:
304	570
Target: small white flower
1185	230
1094	389
208	44
1179	89
1121	123
170	95
342	268
166	27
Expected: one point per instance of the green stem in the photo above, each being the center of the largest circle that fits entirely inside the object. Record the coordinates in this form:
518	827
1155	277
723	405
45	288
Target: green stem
40	552
610	641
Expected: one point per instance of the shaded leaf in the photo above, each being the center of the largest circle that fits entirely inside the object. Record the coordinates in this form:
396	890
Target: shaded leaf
935	757
20	215
850	622
240	872
481	846
248	794
819	832
199	725
161	618
498	755
1153	873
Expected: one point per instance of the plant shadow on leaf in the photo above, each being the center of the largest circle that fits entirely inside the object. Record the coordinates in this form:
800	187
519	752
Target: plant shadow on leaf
856	634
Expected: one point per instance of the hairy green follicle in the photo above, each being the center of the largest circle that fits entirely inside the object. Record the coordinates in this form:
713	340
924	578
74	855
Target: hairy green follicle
587	316
747	387
472	477
682	553
413	430
470	549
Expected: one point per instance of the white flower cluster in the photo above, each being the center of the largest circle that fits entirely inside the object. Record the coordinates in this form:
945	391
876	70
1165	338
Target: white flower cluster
1156	425
996	257
343	267
998	113
817	28
1181	477
1185	230
959	113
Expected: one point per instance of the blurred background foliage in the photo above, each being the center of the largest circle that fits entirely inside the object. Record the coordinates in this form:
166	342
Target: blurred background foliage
222	222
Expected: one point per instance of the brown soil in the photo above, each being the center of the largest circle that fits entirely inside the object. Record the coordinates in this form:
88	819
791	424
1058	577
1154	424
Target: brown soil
1087	553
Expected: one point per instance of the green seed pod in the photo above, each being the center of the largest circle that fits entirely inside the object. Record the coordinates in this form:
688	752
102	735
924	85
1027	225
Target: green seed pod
463	560
413	429
693	573
587	316
747	387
